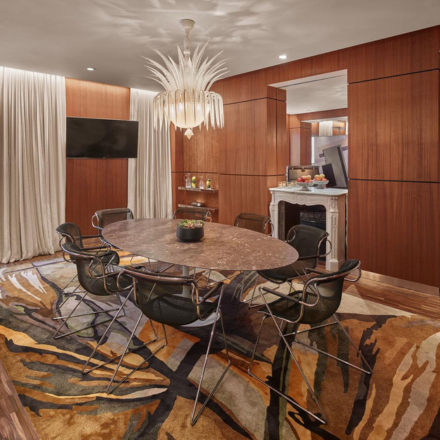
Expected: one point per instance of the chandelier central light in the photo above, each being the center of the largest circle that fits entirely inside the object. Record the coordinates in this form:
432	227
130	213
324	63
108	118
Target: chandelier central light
187	101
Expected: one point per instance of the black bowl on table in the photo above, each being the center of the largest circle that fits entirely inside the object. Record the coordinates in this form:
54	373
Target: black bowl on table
190	234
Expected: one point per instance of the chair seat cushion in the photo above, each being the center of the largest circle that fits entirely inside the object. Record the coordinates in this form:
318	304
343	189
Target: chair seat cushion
285	273
173	309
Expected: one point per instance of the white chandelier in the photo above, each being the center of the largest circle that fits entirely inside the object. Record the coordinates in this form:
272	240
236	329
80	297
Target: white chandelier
187	101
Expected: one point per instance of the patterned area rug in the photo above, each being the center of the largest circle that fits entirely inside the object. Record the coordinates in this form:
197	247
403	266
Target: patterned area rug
400	400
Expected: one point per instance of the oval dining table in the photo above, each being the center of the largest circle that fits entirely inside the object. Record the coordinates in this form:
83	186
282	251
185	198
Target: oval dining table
223	247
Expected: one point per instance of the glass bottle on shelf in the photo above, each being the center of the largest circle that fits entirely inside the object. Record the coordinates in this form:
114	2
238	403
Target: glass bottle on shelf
201	183
187	181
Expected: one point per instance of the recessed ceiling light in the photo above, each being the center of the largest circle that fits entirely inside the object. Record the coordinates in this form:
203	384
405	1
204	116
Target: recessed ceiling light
282	57
309	111
90	68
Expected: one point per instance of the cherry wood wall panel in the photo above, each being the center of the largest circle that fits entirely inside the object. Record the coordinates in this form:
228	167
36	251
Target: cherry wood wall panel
86	99
250	138
283	150
93	184
412	52
244	194
394	128
393	228
201	152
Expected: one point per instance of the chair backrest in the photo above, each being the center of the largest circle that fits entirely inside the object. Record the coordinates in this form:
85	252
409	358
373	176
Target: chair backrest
329	286
192	214
159	296
92	267
307	241
71	233
253	222
105	217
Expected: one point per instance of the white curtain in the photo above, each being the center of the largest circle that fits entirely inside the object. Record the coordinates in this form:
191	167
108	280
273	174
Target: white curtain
32	163
149	176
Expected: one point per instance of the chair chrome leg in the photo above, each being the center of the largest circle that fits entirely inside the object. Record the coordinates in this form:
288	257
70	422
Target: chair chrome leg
105	334
69	294
323	420
126	351
194	416
81	329
94	313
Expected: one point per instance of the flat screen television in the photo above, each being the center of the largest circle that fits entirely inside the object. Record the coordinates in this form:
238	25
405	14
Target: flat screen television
101	138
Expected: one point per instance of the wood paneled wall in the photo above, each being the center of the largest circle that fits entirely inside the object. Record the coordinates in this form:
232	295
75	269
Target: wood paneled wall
393	201
393	97
93	184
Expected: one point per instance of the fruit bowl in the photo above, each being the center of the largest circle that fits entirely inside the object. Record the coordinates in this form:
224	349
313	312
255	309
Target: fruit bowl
305	185
320	184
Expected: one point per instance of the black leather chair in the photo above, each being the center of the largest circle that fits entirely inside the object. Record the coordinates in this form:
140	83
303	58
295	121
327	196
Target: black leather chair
253	222
317	302
160	299
258	223
105	217
186	213
307	240
96	275
71	233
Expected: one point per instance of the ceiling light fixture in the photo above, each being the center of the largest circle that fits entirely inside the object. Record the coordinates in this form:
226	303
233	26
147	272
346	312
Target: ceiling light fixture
309	111
282	57
90	68
187	100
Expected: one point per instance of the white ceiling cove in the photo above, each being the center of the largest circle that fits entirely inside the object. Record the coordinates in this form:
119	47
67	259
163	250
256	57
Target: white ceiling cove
64	37
316	93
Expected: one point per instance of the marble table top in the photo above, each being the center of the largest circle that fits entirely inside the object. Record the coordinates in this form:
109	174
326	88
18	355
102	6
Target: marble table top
224	247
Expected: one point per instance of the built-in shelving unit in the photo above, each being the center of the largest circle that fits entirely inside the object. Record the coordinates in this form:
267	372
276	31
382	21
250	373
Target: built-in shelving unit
212	190
191	206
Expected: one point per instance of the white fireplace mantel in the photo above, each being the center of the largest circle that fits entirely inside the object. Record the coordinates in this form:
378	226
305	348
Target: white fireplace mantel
334	201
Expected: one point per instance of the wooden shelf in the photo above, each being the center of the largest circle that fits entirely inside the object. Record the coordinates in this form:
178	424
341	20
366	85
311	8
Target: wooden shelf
191	206
182	188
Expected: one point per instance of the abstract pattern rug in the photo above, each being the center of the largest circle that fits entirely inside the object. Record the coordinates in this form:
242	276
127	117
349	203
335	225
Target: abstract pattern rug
400	400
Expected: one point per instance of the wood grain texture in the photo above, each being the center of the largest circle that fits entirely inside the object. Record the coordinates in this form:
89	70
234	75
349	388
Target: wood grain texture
301	145
250	138
14	422
244	194
412	52
94	184
86	99
201	152
283	151
394	128
393	228
325	114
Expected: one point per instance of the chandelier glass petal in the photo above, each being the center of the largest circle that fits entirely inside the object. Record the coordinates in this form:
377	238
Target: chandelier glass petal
187	101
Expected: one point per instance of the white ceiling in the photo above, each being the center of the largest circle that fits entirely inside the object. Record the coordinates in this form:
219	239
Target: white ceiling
65	36
316	93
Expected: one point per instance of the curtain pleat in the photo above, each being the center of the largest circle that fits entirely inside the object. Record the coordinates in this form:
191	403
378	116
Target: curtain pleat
149	176
33	163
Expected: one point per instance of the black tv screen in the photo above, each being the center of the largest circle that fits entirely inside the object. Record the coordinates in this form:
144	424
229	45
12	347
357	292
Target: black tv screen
101	138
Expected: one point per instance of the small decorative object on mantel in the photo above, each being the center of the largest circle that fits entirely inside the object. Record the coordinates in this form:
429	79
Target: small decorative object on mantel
187	181
190	230
193	182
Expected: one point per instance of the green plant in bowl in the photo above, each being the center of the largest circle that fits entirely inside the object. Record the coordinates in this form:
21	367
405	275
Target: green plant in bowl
190	230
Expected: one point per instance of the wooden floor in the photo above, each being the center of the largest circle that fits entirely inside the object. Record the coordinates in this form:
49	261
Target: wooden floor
15	423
